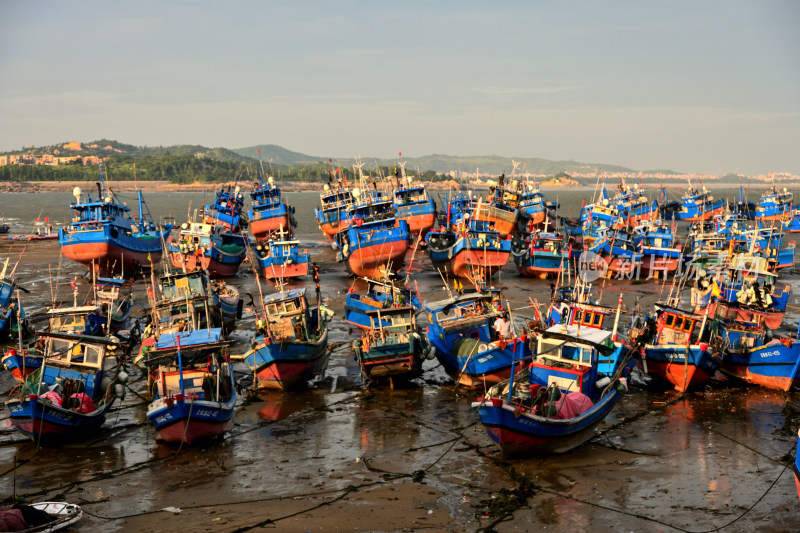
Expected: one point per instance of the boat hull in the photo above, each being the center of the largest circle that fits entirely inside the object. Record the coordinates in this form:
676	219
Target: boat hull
467	264
294	270
44	422
670	363
374	260
216	269
519	433
266	228
774	366
109	257
282	366
190	421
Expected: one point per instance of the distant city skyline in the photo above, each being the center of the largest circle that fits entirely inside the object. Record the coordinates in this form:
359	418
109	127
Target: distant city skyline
710	87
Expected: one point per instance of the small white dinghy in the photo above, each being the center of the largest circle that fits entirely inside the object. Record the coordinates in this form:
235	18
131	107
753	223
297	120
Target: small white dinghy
64	515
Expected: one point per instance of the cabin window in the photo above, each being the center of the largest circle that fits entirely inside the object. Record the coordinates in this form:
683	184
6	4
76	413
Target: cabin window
687	326
598	320
669	321
92	355
60	349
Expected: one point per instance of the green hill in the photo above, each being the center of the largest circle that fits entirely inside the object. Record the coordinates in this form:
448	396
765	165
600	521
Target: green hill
188	162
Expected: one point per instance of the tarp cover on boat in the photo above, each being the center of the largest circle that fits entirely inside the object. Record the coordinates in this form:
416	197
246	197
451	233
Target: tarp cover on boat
572	404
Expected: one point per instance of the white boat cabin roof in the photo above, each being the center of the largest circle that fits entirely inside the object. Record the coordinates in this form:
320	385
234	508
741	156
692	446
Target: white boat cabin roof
596	336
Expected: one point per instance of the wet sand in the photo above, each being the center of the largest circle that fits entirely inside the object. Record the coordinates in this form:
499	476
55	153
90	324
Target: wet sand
340	457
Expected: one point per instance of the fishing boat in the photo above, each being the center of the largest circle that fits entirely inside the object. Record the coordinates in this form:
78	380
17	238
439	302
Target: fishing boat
619	250
751	285
458	204
500	207
379	294
473	249
182	302
103	235
73	390
375	242
774	204
679	351
555	403
332	214
193	402
461	330
4	228
752	356
291	343
270	215
535	211
412	204
540	254
791	221
281	259
226	210
694	205
210	247
391	348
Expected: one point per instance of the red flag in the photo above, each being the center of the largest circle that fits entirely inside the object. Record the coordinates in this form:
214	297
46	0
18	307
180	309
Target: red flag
47	219
259	150
400	154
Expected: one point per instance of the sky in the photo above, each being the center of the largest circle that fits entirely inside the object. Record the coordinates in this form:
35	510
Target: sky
703	87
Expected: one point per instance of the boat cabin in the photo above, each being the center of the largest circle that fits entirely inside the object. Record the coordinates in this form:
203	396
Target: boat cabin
288	314
409	196
677	327
78	358
393	325
569	358
82	320
465	312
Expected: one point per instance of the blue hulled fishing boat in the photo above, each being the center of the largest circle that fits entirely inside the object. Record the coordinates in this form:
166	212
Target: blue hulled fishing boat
679	350
391	348
291	343
193	403
540	254
8	307
752	356
71	393
282	259
461	330
375	242
412	204
103	235
473	249
556	402
534	209
774	204
270	215
217	244
227	209
694	205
